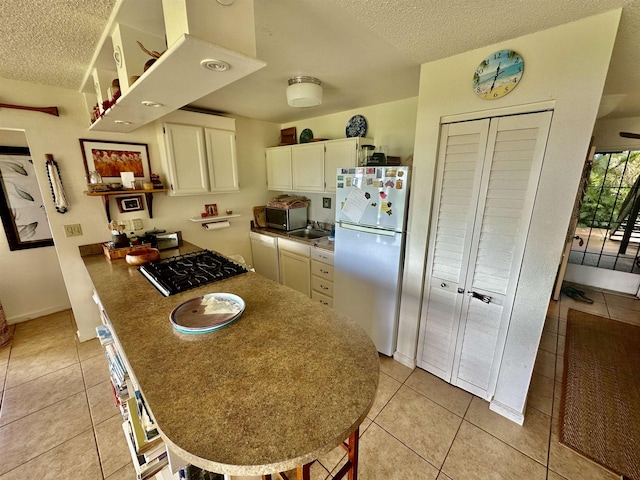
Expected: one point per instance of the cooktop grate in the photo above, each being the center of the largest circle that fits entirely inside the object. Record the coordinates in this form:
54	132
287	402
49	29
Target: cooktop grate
191	270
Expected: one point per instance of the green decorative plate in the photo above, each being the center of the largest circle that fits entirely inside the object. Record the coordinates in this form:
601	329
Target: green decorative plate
306	136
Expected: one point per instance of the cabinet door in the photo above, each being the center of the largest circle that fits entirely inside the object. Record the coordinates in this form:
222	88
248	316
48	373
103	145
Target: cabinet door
221	154
462	147
279	168
308	167
295	271
338	153
187	159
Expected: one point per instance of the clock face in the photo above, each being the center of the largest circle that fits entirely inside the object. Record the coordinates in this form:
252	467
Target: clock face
498	74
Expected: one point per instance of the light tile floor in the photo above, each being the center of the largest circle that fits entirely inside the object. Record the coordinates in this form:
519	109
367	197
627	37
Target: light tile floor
57	418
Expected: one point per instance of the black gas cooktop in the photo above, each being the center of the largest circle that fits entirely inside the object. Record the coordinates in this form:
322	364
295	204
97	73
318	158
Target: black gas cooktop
191	270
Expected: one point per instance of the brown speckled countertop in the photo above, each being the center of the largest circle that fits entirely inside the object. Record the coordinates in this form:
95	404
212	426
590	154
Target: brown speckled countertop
287	382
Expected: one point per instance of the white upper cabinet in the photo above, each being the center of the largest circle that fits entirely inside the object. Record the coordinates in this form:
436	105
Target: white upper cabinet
340	153
279	175
311	167
308	167
221	156
187	159
200	159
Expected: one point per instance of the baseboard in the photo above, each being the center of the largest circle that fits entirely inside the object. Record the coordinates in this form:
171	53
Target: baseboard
507	412
403	359
40	313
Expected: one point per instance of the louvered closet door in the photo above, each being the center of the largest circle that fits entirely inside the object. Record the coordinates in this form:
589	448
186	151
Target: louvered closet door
501	203
462	151
512	166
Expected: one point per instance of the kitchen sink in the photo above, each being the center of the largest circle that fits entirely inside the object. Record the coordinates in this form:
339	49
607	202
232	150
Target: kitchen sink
309	234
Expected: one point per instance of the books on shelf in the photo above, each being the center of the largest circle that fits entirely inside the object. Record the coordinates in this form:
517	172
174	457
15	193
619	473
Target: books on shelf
116	365
148	424
120	395
146	465
140	441
104	335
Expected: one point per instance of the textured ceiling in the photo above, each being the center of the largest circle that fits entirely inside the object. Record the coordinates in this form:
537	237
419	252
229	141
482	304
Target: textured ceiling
50	41
364	51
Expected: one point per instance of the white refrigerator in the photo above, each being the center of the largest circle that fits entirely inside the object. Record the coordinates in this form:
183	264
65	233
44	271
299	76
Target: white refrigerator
371	217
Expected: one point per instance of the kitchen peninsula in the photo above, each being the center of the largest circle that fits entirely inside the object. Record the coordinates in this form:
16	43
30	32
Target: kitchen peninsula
287	382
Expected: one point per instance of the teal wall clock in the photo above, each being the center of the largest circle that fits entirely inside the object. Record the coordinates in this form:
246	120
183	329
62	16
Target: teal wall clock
498	74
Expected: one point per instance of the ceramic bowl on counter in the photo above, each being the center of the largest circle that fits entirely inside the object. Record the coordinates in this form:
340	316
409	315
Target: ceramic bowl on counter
142	256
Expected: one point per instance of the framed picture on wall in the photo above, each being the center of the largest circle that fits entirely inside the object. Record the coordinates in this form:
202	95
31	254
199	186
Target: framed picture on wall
110	159
132	203
21	207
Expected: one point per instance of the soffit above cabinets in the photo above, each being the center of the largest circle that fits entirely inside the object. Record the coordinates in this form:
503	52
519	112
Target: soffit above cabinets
178	77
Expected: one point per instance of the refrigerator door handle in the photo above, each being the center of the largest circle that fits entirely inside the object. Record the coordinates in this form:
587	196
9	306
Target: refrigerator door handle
360	228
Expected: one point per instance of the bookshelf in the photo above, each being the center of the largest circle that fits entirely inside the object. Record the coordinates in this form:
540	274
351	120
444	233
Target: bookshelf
148	452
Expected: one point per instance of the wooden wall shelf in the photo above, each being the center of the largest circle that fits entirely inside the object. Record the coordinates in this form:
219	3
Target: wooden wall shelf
148	196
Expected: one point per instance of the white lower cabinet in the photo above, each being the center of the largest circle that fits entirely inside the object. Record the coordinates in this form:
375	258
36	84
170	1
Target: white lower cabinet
295	265
322	276
487	177
307	269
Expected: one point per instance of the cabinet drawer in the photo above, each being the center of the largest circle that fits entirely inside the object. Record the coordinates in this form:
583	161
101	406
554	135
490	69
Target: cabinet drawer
322	285
323	299
293	246
322	270
322	255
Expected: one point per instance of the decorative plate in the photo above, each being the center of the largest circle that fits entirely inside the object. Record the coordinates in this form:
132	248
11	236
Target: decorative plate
207	313
306	136
357	126
498	74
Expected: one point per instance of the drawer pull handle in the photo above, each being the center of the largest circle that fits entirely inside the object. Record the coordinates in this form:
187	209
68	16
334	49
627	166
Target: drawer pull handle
324	271
443	284
324	288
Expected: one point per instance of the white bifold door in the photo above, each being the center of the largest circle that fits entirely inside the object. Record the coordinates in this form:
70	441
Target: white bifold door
487	178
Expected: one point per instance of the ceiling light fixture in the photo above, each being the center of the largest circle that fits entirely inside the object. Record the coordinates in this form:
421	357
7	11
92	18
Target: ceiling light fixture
304	92
215	65
122	122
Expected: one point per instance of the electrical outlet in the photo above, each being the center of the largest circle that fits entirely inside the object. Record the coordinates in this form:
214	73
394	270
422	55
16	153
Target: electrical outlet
74	230
137	224
326	202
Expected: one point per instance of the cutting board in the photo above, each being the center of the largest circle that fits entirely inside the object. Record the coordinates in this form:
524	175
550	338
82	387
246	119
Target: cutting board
259	217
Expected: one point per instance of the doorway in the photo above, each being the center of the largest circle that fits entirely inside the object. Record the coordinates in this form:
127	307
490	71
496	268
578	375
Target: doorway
605	250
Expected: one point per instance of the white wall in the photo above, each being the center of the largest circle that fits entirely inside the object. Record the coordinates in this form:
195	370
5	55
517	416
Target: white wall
59	136
607	134
391	124
29	294
566	66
